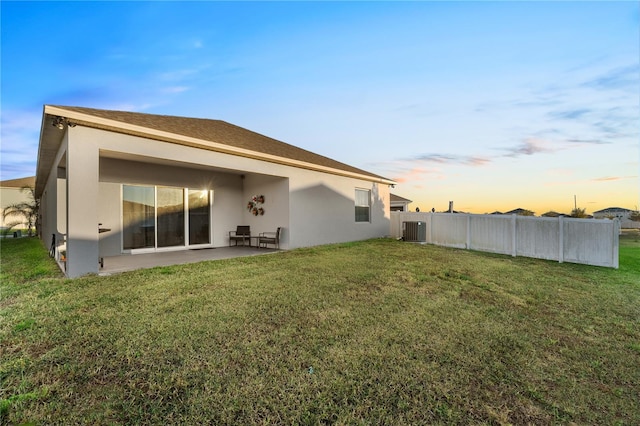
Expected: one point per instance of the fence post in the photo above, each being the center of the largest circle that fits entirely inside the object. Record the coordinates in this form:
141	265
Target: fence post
468	232
616	242
430	228
560	239
514	238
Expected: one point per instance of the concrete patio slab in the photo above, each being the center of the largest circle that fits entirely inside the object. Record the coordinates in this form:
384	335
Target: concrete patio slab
117	264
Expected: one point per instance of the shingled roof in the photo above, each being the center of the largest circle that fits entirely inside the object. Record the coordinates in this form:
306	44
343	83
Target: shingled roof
218	135
18	183
396	198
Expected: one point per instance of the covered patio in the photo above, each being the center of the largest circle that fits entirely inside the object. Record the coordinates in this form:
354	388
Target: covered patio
133	188
124	263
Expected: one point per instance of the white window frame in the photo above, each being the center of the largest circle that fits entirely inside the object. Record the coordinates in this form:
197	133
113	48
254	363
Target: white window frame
357	205
157	249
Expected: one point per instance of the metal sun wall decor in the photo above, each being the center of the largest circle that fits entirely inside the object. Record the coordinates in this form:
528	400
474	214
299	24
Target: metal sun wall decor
254	205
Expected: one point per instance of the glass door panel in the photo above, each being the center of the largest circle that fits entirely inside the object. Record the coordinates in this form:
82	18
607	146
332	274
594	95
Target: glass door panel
138	214
199	217
170	217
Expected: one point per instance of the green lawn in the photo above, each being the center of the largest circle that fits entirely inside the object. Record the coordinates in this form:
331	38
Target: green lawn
375	332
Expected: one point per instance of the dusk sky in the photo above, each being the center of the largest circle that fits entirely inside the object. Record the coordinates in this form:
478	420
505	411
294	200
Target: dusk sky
493	105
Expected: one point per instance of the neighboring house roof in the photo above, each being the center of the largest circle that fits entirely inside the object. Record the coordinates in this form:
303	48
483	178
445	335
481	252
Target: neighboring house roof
11	193
552	213
614	210
397	199
214	135
18	183
519	211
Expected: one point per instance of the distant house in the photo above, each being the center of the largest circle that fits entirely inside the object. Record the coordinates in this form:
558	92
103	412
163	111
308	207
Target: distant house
521	212
399	204
613	212
624	215
552	213
11	193
156	183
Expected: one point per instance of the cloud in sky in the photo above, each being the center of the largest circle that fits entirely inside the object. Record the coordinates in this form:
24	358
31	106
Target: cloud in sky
588	141
416	174
570	114
181	74
427	167
19	132
613	178
526	147
530	146
451	159
620	78
175	89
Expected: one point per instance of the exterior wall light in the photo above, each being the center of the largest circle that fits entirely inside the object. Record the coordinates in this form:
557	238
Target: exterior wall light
59	122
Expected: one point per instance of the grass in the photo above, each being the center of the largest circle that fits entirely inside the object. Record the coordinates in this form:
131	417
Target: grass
374	332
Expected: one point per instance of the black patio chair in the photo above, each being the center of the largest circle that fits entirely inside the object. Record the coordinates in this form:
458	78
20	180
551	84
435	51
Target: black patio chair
242	233
266	238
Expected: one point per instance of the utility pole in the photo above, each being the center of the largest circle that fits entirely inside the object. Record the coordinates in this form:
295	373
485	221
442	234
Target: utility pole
575	203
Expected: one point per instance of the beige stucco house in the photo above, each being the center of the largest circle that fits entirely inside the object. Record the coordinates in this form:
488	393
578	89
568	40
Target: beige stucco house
398	203
612	213
620	213
117	183
11	193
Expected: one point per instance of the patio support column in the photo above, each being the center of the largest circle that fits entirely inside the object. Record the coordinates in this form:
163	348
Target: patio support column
82	204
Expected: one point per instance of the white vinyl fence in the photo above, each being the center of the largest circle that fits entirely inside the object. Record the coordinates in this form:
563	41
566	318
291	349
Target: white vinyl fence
629	224
588	241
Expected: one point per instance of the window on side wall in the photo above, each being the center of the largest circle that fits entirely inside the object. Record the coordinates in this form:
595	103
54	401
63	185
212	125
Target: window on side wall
363	205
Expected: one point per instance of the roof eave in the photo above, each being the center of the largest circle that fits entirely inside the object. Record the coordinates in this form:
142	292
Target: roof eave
45	161
118	126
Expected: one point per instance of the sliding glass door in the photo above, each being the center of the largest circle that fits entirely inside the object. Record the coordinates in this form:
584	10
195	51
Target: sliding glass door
170	217
161	217
199	217
138	217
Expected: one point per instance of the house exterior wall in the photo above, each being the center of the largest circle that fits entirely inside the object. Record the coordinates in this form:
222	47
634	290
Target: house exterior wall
11	193
624	215
53	203
10	196
276	205
49	211
109	215
313	207
321	205
613	212
227	198
322	209
399	206
82	201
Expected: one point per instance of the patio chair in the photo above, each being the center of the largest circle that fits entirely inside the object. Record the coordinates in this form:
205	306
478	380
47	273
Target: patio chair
269	238
242	233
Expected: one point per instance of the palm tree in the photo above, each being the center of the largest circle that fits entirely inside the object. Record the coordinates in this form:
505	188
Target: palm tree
578	212
27	209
